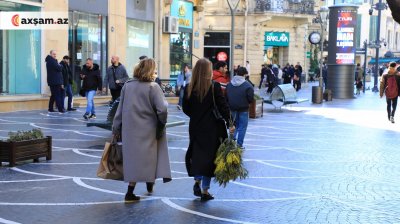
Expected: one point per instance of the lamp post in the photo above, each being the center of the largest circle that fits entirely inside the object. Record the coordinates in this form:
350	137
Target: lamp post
379	6
232	7
323	18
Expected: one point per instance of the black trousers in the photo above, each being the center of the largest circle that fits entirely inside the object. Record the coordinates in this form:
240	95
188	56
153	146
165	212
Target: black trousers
57	96
391	106
115	93
297	84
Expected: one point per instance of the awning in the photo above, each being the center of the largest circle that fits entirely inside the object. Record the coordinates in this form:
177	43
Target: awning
384	60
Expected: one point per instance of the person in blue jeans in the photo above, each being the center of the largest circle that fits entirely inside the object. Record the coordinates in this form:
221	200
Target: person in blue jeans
240	94
182	81
67	77
91	77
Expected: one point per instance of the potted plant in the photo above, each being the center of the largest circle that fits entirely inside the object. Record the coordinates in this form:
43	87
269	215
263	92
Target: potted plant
256	107
24	145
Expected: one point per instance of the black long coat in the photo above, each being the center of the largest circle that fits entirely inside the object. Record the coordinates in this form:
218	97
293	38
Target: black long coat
204	130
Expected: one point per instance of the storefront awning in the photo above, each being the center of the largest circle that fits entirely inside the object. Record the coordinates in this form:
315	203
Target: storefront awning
384	60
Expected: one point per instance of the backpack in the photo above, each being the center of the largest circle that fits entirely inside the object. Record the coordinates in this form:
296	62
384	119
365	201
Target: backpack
391	90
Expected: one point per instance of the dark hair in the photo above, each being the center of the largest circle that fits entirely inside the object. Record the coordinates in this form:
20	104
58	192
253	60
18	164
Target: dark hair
242	71
66	57
269	66
219	64
142	57
358	64
393	64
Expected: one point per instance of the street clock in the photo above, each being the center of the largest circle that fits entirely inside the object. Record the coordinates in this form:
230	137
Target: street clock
314	38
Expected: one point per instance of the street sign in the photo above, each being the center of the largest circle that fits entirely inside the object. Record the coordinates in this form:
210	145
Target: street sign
308	54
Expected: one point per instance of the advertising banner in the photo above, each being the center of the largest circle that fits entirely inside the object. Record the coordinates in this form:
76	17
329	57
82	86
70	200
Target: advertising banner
277	39
184	11
345	41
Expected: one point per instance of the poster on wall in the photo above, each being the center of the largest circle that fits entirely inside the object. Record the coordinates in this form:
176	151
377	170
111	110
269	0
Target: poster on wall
345	41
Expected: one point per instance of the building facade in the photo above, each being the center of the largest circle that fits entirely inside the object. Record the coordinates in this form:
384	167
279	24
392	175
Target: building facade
266	32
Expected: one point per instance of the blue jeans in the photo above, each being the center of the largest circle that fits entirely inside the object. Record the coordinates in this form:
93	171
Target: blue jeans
68	92
241	122
90	102
205	181
181	92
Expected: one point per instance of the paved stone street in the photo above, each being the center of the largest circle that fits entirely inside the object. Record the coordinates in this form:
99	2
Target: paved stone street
331	163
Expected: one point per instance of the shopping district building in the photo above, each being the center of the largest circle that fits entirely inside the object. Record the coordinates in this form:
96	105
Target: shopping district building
173	32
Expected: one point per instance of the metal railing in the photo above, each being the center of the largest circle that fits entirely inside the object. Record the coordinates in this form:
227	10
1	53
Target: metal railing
286	6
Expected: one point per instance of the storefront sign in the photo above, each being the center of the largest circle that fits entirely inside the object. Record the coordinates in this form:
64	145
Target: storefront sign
184	11
345	41
222	56
280	39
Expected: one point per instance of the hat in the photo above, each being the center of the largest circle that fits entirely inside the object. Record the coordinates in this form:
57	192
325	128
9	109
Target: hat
66	57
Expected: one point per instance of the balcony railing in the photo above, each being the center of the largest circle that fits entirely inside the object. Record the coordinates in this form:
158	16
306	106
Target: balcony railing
285	6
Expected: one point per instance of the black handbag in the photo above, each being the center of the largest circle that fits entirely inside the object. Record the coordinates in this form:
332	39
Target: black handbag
82	92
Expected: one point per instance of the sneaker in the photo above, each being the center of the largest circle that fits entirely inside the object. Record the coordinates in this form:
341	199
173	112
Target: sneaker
179	107
149	186
196	189
206	197
86	116
92	116
129	197
71	109
392	119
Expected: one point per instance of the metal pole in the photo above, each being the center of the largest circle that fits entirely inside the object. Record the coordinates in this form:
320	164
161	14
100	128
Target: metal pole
231	53
322	52
365	63
377	43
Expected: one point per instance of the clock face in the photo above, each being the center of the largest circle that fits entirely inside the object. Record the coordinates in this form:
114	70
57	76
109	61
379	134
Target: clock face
315	38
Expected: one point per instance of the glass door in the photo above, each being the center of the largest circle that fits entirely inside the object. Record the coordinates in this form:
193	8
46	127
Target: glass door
86	40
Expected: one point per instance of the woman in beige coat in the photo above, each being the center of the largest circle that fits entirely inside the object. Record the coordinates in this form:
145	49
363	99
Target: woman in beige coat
141	109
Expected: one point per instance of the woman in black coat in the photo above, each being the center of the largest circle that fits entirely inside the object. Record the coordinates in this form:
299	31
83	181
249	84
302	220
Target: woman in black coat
205	131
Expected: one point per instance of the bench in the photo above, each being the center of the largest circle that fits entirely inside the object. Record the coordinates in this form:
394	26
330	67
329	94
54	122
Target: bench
110	118
283	95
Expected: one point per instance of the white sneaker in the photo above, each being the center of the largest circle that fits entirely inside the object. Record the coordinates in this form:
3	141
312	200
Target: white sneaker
179	107
392	119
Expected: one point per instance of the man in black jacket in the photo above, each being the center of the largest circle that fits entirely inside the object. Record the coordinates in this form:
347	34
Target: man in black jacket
116	76
67	77
91	77
55	81
240	94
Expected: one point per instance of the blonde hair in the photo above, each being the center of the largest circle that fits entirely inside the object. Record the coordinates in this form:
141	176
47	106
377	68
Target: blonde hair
145	70
201	79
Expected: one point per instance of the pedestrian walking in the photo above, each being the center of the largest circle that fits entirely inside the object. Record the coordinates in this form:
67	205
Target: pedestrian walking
271	78
116	76
359	86
240	94
286	74
324	73
67	77
263	75
55	82
91	82
140	120
297	77
220	75
390	86
183	79
205	129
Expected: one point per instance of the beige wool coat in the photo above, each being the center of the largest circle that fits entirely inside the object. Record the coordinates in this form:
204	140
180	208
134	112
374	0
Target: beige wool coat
145	158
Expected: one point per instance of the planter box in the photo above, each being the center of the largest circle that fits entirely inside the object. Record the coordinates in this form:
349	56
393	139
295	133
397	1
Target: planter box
19	151
256	108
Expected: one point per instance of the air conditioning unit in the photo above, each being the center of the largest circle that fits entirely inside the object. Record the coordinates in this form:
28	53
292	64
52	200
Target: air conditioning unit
170	24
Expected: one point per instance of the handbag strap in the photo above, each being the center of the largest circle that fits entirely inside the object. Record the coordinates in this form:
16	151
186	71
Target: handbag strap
212	91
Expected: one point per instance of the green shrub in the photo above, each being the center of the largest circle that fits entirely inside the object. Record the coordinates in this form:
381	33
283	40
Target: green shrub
25	135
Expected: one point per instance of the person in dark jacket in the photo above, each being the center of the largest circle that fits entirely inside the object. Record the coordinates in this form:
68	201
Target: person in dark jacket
287	75
263	75
67	77
240	94
205	131
55	81
271	79
116	76
297	77
91	82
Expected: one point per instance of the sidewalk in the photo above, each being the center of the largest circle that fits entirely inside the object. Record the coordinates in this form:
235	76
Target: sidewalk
335	162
